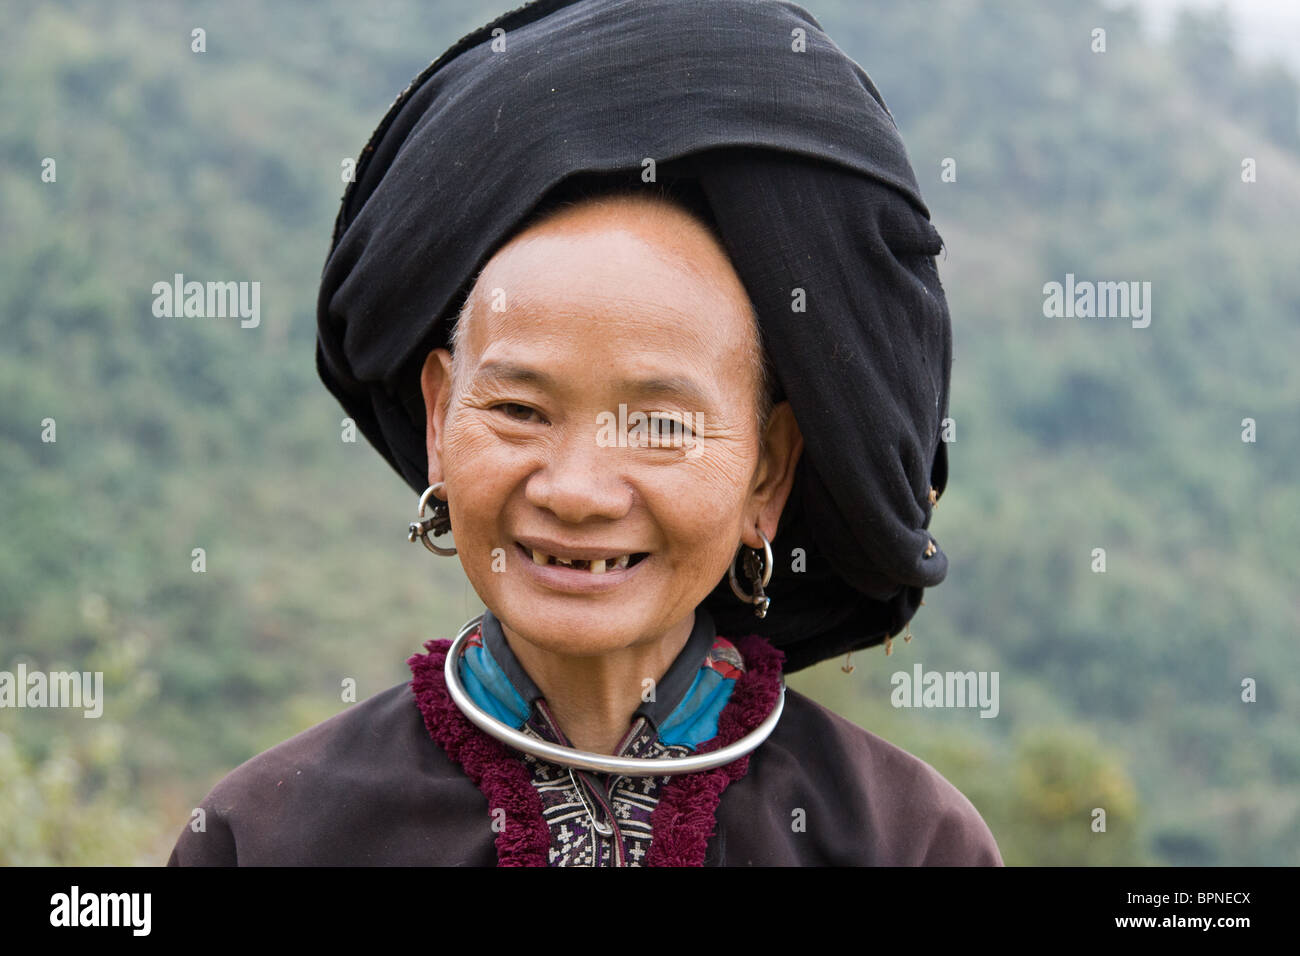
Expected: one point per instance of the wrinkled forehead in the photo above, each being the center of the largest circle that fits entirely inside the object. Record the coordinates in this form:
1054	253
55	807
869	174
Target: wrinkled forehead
641	228
640	271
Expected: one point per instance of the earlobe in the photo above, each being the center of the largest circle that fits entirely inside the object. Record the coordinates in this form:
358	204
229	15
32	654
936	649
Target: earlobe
783	449
435	384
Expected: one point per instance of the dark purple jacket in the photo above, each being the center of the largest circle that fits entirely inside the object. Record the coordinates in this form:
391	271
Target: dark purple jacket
370	786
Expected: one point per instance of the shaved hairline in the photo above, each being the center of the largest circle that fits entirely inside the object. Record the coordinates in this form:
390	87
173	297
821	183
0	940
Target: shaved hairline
757	358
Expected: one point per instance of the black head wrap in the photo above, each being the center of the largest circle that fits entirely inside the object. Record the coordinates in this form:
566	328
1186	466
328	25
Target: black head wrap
810	189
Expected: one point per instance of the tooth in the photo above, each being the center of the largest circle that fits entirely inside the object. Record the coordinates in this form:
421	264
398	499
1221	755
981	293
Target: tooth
598	566
538	557
622	561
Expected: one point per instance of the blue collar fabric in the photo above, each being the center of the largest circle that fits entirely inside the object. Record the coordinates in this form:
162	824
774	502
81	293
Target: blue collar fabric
686	704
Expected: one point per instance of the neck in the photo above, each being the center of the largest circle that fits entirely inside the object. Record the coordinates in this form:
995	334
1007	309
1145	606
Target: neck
593	698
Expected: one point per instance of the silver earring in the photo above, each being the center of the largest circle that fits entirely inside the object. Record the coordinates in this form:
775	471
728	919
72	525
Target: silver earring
752	571
439	522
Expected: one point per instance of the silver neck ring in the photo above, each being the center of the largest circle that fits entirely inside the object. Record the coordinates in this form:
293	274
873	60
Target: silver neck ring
587	760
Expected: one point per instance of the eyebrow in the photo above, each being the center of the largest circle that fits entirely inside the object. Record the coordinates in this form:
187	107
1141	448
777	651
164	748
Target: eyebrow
671	386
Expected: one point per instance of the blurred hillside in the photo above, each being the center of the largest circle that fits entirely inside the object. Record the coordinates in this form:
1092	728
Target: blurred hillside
1119	690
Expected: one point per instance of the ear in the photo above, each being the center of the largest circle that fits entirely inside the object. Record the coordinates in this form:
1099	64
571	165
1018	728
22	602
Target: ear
782	448
435	383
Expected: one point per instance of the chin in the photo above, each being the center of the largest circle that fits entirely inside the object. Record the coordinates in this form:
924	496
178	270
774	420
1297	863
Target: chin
574	644
573	631
581	632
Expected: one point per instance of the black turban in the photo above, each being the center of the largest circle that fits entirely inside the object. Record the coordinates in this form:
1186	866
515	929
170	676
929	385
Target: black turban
809	188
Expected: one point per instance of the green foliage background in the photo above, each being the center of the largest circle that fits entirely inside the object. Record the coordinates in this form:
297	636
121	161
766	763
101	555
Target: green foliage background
1119	690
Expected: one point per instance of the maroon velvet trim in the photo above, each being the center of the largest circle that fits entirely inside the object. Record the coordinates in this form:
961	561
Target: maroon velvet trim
681	824
495	769
685	818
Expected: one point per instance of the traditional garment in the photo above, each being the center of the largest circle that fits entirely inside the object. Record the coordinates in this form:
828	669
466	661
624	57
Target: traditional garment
811	192
808	186
403	778
674	720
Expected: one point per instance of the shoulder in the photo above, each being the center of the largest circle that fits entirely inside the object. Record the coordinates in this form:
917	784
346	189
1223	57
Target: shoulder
343	745
356	788
864	801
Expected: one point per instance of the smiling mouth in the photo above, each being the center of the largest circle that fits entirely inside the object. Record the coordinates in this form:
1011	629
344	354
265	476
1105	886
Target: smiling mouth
616	562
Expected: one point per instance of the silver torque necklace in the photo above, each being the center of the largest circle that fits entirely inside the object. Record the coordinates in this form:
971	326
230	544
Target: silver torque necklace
587	760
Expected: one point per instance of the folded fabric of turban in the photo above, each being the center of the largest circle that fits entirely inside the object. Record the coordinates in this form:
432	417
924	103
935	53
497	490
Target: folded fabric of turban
809	188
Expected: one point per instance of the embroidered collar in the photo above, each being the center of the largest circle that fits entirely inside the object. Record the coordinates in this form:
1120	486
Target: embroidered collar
683	709
684	820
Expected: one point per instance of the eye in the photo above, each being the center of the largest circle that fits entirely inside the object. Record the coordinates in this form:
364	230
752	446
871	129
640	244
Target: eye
515	411
663	431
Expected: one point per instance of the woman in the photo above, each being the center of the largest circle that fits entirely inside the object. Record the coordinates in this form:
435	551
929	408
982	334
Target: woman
643	385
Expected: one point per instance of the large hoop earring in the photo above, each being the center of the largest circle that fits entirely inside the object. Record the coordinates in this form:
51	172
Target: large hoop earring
439	522
752	571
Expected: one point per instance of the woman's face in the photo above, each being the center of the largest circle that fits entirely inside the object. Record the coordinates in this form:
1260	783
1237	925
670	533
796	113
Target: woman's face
575	326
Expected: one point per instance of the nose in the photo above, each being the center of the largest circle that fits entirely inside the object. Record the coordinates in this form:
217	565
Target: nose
580	480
